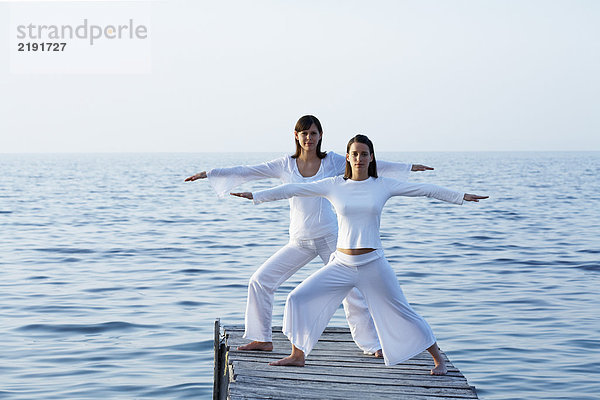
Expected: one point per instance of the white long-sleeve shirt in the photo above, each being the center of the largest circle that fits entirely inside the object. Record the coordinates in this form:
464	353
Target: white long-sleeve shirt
358	204
310	217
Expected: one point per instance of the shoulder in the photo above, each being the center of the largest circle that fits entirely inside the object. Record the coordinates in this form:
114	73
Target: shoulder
284	161
280	160
286	158
337	180
330	181
334	157
386	181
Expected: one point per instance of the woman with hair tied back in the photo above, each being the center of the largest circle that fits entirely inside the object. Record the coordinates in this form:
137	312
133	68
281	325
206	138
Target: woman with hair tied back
313	231
358	198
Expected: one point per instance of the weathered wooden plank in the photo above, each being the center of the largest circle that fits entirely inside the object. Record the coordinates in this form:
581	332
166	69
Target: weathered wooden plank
327	375
341	372
366	369
268	392
316	376
416	369
299	385
317	357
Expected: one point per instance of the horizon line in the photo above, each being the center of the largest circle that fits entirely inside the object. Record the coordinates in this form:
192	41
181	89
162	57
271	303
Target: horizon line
291	152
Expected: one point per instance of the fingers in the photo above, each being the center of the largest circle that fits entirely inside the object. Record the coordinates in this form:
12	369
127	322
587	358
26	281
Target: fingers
474	197
200	175
245	195
420	167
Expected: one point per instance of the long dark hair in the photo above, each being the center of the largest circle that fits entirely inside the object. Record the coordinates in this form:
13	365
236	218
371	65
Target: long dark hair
372	165
303	124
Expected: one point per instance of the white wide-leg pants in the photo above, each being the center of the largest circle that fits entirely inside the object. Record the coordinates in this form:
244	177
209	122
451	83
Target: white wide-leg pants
403	333
277	269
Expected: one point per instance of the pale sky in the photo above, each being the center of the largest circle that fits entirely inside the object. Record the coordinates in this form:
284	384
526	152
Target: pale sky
441	75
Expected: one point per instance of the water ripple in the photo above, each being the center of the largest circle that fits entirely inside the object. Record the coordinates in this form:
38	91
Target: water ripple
88	328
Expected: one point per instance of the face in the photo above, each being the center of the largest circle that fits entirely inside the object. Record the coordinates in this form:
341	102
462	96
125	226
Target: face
309	138
359	156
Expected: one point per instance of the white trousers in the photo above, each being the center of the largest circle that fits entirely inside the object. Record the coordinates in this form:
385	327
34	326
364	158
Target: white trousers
278	268
403	333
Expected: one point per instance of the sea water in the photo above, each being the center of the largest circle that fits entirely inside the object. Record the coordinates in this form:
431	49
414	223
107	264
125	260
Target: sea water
113	270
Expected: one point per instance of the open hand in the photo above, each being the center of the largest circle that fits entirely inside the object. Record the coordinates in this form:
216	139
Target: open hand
245	195
473	197
420	167
199	175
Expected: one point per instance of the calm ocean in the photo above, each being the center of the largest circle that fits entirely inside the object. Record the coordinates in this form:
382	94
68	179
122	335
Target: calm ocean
113	270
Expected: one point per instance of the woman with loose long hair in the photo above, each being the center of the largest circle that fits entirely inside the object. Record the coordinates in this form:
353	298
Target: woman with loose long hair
358	262
313	231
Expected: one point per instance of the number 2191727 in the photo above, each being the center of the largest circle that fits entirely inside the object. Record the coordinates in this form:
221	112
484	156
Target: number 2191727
44	46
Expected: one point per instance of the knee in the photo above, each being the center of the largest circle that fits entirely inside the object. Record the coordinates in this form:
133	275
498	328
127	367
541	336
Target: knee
254	280
295	297
291	300
258	282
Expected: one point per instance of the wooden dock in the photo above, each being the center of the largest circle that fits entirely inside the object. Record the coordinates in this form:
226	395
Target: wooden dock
335	369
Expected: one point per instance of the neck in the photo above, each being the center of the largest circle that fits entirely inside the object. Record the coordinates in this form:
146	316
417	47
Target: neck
360	175
307	156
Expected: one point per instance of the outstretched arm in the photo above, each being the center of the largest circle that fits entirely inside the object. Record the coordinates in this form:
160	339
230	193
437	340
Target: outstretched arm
398	188
398	170
319	188
223	180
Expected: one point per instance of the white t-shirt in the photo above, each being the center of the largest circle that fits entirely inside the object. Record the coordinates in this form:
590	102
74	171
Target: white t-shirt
310	217
358	204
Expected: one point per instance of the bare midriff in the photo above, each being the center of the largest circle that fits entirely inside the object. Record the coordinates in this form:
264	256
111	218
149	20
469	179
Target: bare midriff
355	252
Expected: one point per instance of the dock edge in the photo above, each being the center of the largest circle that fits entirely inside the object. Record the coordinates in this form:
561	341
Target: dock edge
221	372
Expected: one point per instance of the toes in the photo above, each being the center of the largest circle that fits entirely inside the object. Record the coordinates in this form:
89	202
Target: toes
438	371
287	362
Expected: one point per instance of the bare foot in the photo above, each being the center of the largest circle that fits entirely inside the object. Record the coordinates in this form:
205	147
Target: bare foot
292	361
258	346
439	365
439	369
378	354
295	359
